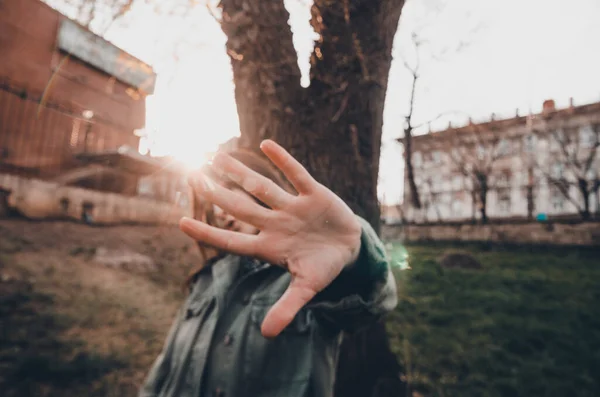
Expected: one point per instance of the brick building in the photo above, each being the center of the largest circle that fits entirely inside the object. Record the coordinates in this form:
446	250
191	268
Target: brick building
65	92
540	166
71	107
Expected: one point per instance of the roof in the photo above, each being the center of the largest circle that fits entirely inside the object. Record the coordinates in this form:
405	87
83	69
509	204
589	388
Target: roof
82	43
504	124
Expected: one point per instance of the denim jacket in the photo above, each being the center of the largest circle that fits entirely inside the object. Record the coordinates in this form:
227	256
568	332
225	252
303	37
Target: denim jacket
215	347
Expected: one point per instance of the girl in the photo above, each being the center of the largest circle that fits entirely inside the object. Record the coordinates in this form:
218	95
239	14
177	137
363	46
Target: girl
288	269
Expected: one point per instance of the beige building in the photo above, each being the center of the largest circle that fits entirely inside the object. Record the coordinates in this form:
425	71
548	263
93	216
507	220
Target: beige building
535	166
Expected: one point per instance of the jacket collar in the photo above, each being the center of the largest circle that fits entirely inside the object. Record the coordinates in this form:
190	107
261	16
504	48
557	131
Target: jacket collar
224	271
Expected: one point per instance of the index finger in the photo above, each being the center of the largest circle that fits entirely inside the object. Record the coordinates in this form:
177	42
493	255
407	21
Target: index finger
295	172
229	241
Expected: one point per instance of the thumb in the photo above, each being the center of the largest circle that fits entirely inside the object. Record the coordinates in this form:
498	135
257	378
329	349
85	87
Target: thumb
285	309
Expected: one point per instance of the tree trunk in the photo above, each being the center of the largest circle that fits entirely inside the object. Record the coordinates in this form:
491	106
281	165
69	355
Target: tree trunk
473	206
530	202
530	195
597	193
585	193
333	127
410	172
483	191
483	206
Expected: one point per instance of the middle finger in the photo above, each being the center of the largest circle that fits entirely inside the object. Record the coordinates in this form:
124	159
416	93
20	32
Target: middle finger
245	210
251	181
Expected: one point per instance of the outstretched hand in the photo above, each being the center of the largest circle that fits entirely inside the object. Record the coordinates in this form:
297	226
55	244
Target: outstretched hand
313	235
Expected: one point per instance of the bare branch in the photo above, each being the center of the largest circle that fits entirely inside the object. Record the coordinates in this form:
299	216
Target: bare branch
413	71
213	14
589	161
563	187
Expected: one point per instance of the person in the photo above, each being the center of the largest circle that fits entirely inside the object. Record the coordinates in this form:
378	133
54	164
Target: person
288	268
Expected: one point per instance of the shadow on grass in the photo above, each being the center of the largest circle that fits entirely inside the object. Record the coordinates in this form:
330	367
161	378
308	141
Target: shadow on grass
33	359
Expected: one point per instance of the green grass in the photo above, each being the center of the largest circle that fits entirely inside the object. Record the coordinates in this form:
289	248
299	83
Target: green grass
528	324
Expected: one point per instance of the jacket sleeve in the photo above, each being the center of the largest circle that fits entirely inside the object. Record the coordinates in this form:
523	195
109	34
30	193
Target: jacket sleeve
363	292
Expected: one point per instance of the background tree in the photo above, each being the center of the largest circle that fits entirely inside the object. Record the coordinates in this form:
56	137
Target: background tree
530	191
97	15
428	50
572	167
415	199
430	196
474	154
532	175
333	126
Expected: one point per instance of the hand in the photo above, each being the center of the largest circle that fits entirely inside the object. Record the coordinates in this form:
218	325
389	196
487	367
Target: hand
313	235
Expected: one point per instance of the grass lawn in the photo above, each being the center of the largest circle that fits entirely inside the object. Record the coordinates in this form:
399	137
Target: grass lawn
527	324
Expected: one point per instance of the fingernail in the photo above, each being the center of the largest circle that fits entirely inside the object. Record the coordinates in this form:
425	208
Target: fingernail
250	185
234	177
204	183
208	184
184	221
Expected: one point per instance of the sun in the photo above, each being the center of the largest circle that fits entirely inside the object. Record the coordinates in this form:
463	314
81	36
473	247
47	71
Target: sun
189	135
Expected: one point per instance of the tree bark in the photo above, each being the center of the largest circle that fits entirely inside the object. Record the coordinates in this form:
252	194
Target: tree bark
415	200
530	194
585	194
597	193
473	206
333	127
482	181
530	202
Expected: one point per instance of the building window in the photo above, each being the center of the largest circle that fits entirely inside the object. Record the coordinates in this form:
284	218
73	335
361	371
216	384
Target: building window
457	207
558	171
145	187
436	157
587	136
557	139
529	143
480	152
503	179
75	133
504	147
591	175
521	177
417	158
557	199
456	182
436	183
504	201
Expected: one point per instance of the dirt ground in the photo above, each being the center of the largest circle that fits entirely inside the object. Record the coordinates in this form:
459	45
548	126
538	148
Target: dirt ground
84	310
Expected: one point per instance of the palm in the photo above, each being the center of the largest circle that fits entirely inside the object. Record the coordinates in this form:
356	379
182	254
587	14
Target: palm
313	234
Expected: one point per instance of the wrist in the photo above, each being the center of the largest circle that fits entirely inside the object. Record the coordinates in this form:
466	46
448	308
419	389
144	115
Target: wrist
356	246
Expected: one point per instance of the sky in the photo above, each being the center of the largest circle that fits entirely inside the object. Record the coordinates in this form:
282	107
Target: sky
479	57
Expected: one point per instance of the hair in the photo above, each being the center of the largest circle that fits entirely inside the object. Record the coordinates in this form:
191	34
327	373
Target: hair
203	210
